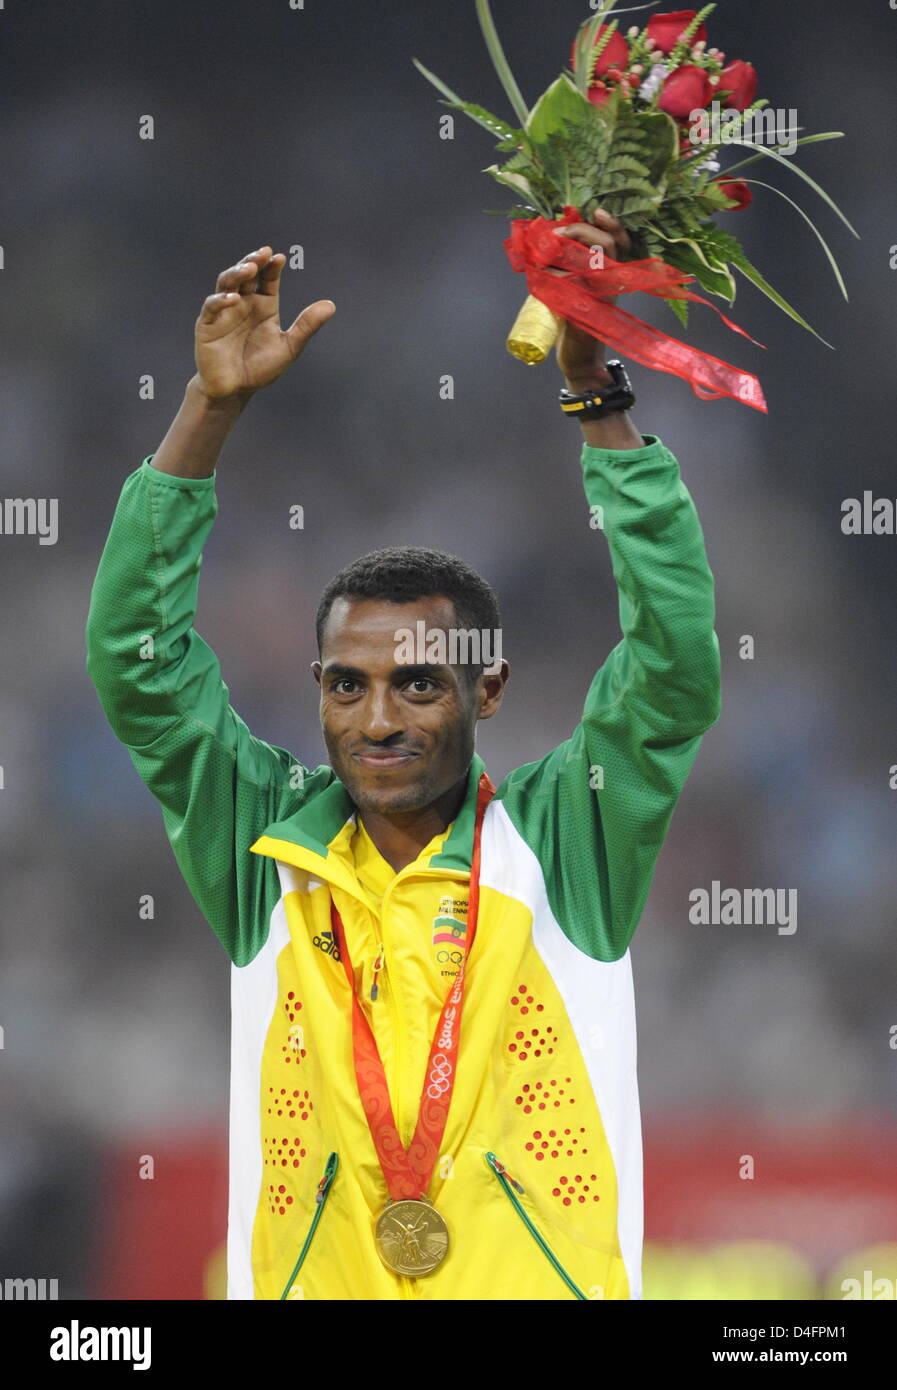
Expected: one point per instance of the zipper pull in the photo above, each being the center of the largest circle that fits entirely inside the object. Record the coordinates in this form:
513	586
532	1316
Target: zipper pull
378	966
498	1167
329	1175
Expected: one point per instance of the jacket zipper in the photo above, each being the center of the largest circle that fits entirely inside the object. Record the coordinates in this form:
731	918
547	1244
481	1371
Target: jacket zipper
378	966
508	1183
397	1017
321	1196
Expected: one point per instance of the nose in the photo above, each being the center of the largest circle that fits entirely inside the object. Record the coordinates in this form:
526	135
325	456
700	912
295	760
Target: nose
381	716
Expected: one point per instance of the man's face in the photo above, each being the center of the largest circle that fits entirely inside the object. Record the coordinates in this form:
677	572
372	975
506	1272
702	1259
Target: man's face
398	736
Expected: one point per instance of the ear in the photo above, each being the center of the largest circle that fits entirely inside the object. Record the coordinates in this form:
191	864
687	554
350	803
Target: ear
492	688
317	668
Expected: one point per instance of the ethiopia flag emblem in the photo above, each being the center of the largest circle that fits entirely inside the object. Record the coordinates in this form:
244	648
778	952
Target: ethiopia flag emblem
448	928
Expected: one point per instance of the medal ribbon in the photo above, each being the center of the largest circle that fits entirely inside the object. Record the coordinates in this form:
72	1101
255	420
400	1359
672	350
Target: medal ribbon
408	1172
582	297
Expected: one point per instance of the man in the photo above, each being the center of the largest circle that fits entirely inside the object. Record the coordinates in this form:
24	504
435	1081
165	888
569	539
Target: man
434	1086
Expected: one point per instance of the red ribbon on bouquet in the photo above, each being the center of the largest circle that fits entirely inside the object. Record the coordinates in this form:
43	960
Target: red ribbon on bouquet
582	296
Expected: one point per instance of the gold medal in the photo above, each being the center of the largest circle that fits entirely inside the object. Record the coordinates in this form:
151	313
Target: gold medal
411	1236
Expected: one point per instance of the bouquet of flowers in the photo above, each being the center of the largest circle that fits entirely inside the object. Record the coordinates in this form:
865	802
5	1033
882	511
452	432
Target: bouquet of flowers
635	126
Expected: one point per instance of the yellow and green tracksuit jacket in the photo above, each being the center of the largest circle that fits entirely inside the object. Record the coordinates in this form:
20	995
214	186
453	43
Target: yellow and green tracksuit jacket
540	1181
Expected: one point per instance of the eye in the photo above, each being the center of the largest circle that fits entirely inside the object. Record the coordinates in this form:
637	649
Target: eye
343	681
422	685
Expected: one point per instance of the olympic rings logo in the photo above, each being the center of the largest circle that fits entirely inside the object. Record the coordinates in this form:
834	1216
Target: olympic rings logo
455	957
440	1074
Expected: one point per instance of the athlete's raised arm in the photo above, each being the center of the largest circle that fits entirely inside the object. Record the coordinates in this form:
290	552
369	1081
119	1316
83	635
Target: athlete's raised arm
604	798
159	683
240	347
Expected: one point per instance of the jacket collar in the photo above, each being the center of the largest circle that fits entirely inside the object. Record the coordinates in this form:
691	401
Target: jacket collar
305	838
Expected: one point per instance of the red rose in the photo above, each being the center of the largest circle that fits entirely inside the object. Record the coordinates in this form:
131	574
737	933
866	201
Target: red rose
684	90
740	80
616	52
735	188
598	93
667	29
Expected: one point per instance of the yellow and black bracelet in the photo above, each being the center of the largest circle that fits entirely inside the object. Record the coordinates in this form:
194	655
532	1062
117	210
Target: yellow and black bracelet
593	405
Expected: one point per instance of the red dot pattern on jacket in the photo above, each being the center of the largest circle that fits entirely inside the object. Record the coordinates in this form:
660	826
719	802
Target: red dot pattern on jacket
288	1108
552	1140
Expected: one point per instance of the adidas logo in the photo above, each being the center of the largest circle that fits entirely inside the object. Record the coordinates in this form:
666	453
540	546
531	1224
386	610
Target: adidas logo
326	943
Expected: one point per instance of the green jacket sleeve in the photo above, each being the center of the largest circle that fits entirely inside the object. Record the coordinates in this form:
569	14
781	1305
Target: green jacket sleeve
596	809
161	688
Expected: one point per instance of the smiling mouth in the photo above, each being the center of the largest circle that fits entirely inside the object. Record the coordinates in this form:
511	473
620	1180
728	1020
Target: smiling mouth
386	759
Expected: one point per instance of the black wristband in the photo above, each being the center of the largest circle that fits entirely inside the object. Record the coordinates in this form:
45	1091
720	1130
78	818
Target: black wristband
605	400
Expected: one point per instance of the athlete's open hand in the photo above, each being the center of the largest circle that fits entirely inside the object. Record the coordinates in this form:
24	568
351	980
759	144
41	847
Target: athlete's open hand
240	345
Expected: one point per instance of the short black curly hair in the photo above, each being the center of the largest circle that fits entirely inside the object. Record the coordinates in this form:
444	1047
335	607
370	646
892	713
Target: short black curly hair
401	574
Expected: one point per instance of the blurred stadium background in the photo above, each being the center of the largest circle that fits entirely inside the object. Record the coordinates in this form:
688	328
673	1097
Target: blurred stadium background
311	127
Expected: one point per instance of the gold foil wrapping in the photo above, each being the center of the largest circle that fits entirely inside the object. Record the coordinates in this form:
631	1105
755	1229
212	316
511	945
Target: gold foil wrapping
534	332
